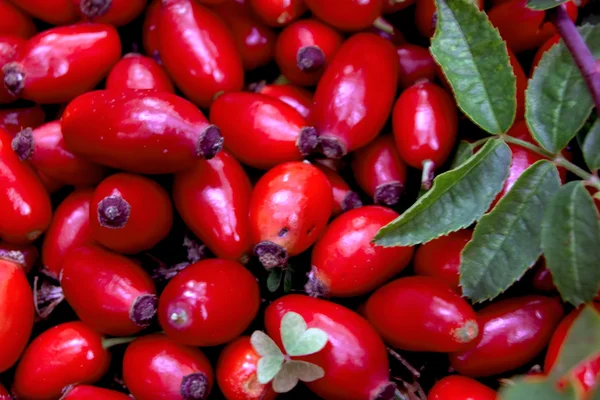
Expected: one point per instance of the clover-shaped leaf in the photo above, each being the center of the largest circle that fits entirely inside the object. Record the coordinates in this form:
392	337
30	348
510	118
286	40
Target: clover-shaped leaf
271	359
293	371
297	340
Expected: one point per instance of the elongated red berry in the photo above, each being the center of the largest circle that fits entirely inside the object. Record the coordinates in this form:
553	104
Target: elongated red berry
300	99
456	387
114	12
4	395
10	46
416	63
347	15
278	13
15	22
344	198
26	255
14	120
150	36
135	71
55	12
392	6
87	392
548	44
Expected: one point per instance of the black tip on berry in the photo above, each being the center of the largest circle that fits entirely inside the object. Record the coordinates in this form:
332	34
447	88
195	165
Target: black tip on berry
387	392
194	386
210	142
351	201
113	212
271	255
332	147
310	58
308	141
22	144
257	87
94	8
388	193
14	78
143	310
316	287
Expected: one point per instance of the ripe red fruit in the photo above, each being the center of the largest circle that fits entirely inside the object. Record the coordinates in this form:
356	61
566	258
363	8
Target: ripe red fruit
345	262
255	41
55	12
542	278
236	372
212	198
392	6
44	149
139	131
347	15
456	387
13	120
70	229
155	367
420	313
86	392
25	205
304	49
354	358
63	355
208	303
114	12
426	16
512	333
289	209
416	63
278	13
265	131
440	258
10	46
380	171
16	313
198	51
355	95
344	198
61	63
4	395
15	22
130	213
26	255
541	50
135	71
425	124
300	99
533	30
150	36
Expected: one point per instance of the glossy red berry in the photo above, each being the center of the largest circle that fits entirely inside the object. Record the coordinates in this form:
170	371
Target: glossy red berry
355	95
533	30
236	372
255	41
55	12
44	149
130	213
25	205
265	132
392	6
155	367
278	12
10	46
511	333
150	36
300	99
416	63
344	198
63	355
426	16
136	71
379	170
13	120
425	122
198	51
542	50
289	209
114	12
87	392
15	22
456	387
347	15
16	313
346	263
440	258
26	255
208	303
304	49
70	229
542	278
354	358
420	313
61	63
4	395
139	131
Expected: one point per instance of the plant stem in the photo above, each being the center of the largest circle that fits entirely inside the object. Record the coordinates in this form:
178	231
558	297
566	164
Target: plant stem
579	51
383	25
107	343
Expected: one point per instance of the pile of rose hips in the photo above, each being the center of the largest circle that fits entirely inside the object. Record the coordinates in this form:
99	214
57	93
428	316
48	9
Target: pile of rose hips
148	167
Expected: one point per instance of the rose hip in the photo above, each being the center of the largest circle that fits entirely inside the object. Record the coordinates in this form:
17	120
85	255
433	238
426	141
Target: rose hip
548	44
10	46
155	367
15	22
344	198
139	131
304	49
150	36
456	387
355	95
114	12
392	6
347	15
416	63
13	120
86	392
289	209
542	278
55	12
278	13
59	64
136	71
300	99
4	395
26	255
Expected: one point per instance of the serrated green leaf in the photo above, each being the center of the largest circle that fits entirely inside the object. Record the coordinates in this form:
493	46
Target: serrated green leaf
297	340
287	280
558	101
457	199
274	279
571	243
463	153
534	388
292	372
507	241
544	4
591	147
475	61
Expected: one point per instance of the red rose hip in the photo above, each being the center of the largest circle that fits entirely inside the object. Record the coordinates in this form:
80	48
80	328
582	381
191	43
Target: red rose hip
135	71
13	120
344	198
347	15
416	63
300	99
87	392
278	13
15	22
26	255
10	46
150	36
114	12
55	12
456	387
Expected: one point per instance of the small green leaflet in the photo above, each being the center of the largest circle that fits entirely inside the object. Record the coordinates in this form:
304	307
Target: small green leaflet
274	279
475	61
463	153
457	199
534	388
558	101
297	341
571	243
544	4
507	241
591	147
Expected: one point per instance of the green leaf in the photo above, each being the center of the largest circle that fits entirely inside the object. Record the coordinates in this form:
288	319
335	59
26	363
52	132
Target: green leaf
475	61
507	241
463	153
297	340
287	280
292	372
457	199
558	101
571	243
534	388
544	4
271	360
274	279
591	147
